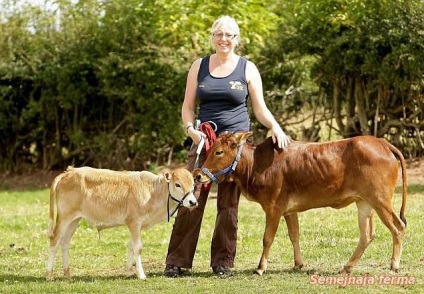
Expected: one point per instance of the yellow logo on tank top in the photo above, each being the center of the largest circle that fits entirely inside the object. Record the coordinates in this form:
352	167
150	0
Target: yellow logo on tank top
236	85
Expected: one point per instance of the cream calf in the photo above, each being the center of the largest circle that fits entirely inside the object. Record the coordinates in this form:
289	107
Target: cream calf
106	199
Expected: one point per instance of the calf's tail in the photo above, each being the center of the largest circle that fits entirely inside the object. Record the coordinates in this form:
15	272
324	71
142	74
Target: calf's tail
50	233
400	157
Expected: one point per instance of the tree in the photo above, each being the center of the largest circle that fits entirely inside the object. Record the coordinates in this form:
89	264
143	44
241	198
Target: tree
103	81
369	60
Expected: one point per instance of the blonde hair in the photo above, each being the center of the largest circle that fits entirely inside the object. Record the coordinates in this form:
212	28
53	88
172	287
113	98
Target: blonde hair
226	24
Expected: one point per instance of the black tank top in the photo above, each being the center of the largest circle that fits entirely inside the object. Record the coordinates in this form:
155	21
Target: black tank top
224	100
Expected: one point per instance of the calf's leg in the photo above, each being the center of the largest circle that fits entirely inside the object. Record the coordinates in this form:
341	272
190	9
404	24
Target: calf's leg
396	228
272	222
367	234
135	230
292	222
50	261
130	259
66	242
55	241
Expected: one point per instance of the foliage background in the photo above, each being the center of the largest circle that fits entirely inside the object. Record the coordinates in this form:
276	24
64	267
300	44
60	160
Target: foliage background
101	83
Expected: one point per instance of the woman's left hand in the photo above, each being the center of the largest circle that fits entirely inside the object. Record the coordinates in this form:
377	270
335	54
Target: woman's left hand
279	137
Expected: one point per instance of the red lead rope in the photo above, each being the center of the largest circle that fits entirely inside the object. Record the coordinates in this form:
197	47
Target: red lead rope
207	129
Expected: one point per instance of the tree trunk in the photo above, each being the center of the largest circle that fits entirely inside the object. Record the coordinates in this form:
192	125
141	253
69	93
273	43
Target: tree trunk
360	107
377	111
350	108
337	108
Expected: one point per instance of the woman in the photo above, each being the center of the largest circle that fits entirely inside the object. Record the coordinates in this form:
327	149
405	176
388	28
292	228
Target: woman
221	83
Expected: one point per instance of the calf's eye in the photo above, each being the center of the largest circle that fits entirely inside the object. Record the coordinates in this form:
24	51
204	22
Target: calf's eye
177	185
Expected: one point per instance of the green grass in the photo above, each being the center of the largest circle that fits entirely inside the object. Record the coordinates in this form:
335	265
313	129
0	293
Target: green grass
328	237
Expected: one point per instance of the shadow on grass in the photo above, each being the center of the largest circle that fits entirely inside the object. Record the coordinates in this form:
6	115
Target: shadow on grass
294	272
59	278
412	189
252	273
416	188
20	278
237	274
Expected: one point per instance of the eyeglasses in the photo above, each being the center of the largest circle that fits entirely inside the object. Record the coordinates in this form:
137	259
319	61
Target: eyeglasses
227	36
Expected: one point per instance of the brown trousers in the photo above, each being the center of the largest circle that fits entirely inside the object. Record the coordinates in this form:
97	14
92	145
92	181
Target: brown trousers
186	229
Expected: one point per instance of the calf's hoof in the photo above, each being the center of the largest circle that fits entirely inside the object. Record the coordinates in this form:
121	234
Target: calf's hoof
259	272
345	270
49	276
298	267
67	273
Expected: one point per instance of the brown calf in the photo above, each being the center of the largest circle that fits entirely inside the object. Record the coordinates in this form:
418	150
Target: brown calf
303	176
106	199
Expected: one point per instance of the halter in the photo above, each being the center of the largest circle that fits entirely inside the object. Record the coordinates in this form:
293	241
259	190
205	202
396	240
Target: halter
226	171
180	202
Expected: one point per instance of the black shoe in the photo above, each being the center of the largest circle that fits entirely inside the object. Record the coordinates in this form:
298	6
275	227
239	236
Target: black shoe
222	271
172	271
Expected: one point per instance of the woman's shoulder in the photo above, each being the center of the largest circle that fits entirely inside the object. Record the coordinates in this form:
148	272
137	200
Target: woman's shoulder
244	58
250	65
248	61
198	61
196	64
252	72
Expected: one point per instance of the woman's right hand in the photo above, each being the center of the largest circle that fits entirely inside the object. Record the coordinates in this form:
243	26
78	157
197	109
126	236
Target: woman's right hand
195	135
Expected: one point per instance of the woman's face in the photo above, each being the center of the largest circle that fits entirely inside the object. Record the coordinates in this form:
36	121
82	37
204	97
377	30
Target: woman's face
224	40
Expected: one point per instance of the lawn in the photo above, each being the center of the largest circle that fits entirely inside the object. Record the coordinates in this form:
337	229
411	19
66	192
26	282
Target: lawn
328	237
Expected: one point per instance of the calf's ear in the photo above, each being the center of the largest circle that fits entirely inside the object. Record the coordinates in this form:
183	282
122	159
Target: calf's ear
241	137
168	177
